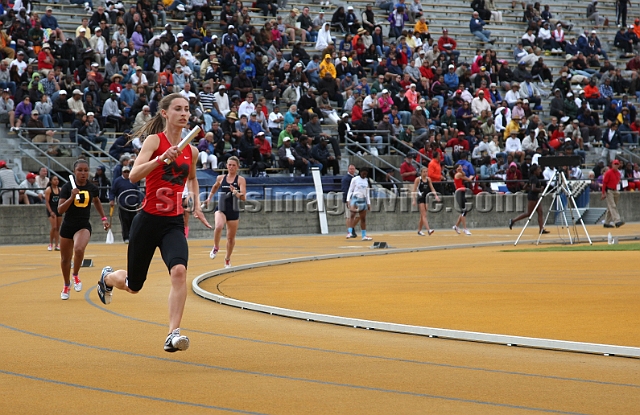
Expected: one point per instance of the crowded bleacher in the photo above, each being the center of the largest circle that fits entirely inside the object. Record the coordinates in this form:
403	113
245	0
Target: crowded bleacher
287	86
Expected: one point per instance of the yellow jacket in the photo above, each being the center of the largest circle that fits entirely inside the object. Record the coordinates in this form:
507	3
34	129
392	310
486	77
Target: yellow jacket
327	67
512	126
421	27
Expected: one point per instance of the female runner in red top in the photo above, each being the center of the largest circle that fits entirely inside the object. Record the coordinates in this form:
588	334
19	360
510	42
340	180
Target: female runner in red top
160	223
459	179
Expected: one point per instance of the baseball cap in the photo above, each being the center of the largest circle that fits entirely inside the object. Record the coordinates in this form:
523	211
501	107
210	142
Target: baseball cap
513	164
77	92
385	91
286	139
35	112
126	168
261	133
90	114
62	92
451	67
31	176
346	114
82	29
344	59
616	162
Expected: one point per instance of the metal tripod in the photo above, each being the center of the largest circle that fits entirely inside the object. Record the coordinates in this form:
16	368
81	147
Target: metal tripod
558	186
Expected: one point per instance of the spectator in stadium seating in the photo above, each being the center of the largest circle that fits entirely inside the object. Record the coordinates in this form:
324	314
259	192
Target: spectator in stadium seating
476	26
323	154
623	41
448	45
594	15
30	194
289	158
397	18
303	147
49	22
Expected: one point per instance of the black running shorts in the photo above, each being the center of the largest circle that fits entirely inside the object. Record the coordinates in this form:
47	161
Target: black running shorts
149	232
67	230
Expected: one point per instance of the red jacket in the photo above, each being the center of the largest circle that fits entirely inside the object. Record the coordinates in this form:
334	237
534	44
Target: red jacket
263	146
444	40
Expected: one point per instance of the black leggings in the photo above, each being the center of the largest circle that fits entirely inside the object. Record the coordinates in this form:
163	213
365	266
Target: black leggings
149	232
461	201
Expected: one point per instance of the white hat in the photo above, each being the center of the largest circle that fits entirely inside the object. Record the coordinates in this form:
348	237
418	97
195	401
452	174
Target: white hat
77	92
90	114
569	94
346	114
62	92
95	64
593	31
192	95
185	43
180	7
180	35
125	50
344	59
286	139
299	65
385	91
82	29
418	108
451	67
231	26
350	8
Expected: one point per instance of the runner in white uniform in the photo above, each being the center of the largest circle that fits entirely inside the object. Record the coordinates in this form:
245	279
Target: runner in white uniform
359	201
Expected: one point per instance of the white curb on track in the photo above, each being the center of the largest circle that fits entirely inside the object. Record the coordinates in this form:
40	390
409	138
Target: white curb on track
509	340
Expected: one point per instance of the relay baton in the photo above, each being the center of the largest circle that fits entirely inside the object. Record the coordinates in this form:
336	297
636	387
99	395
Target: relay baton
185	141
73	185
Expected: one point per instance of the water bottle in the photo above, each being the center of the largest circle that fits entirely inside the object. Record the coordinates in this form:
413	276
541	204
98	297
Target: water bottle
610	239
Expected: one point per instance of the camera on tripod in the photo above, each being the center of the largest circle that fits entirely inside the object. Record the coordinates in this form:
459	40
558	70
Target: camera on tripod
560	161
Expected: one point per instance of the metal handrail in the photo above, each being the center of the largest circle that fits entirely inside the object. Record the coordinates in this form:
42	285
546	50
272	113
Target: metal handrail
86	153
50	160
112	161
375	168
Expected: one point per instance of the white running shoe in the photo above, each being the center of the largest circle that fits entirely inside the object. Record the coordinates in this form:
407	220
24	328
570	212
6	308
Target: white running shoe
348	236
64	295
367	238
175	342
455	228
213	253
77	284
466	232
431	231
50	247
420	233
227	263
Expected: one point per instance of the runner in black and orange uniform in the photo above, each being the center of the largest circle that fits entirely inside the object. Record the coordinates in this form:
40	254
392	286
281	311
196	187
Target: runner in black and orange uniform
75	232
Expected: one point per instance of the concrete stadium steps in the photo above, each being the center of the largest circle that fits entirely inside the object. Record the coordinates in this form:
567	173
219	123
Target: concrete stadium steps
454	17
